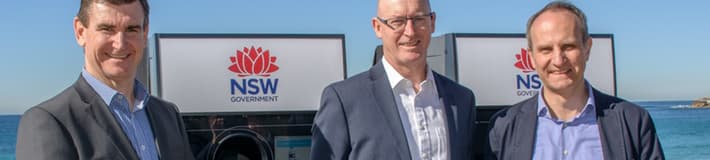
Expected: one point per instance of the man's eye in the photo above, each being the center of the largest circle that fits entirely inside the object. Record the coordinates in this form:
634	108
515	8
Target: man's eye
420	18
544	50
568	47
105	29
397	22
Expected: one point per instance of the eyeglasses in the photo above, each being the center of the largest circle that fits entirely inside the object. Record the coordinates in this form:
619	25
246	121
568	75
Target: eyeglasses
398	23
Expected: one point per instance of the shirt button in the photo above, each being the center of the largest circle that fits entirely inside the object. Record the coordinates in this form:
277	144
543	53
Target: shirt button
142	147
564	152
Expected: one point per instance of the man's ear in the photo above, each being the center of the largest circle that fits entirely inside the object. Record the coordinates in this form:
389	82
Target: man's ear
377	27
146	29
530	57
588	48
79	30
433	22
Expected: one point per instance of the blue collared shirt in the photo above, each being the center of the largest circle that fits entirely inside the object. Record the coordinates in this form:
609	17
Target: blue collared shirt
577	139
135	123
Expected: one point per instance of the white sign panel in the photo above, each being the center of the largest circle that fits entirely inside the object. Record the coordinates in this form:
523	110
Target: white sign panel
495	68
252	73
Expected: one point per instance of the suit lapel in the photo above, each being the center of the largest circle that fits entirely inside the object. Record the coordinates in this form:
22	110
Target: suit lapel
386	103
98	111
526	131
451	110
609	128
155	122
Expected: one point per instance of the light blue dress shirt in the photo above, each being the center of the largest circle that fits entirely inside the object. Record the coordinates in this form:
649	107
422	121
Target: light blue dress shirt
577	139
135	123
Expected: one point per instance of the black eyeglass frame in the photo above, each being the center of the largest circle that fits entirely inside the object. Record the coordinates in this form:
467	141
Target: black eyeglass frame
385	21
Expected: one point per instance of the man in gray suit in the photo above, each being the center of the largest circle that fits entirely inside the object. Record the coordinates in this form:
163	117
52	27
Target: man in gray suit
400	108
106	113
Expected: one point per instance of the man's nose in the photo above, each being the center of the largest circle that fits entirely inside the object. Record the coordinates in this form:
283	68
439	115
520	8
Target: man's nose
559	57
409	27
119	40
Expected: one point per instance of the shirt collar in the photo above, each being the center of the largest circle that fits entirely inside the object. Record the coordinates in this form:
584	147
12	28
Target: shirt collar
587	111
395	78
107	93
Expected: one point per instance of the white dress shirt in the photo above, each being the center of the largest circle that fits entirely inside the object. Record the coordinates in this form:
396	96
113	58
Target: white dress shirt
422	114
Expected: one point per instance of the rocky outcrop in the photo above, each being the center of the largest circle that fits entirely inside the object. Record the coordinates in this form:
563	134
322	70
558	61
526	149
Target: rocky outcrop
702	103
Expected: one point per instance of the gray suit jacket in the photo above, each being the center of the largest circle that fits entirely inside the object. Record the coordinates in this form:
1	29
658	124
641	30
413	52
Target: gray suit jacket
626	130
358	119
77	124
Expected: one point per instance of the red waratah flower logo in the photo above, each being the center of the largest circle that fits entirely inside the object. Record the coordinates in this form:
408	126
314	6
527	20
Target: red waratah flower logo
523	61
253	61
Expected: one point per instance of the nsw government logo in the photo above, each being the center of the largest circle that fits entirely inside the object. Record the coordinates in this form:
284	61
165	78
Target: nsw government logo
253	68
528	83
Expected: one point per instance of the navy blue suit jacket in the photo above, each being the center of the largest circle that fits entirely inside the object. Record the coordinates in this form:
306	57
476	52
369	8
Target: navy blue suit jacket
358	119
626	130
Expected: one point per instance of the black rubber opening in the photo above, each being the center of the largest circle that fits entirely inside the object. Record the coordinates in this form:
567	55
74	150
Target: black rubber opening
242	145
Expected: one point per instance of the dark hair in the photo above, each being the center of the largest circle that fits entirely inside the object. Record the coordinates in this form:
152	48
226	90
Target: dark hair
83	14
580	18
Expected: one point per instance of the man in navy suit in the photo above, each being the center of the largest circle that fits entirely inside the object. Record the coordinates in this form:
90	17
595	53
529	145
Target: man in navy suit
400	108
569	119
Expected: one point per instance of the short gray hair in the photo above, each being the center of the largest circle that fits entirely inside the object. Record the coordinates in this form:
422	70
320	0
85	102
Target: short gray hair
561	5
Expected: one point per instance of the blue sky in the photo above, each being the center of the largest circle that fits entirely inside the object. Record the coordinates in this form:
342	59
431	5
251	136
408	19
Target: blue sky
659	45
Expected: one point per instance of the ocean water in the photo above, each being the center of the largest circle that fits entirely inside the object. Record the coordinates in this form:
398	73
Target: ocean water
8	135
684	132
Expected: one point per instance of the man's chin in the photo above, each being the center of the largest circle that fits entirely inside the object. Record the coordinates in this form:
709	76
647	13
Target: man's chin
414	57
119	75
560	85
413	53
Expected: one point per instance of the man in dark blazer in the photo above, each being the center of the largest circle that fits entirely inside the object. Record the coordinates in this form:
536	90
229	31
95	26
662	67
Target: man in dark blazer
569	119
106	113
399	109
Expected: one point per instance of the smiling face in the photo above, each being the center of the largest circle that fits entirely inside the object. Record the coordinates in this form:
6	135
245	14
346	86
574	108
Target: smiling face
559	51
406	45
113	41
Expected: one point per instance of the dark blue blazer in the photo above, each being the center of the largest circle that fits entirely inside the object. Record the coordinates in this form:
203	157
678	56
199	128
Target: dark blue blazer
358	119
626	130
